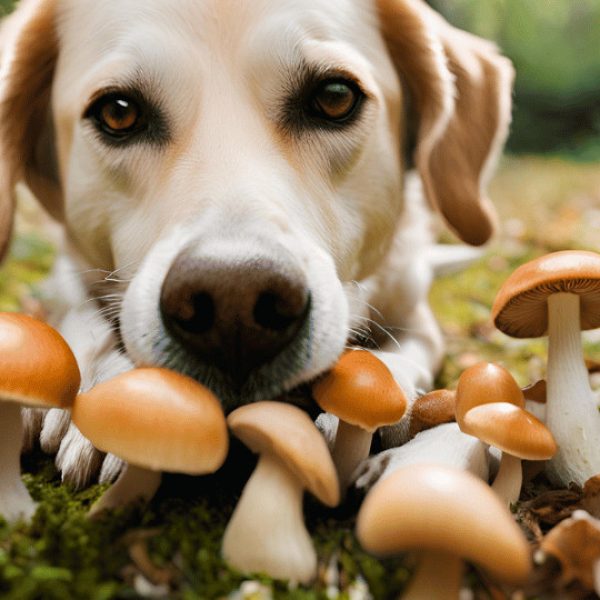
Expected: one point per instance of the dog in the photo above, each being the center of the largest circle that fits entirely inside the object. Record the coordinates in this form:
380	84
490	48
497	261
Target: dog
246	188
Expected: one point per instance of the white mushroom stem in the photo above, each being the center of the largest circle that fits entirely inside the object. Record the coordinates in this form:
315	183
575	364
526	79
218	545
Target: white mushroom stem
509	479
134	484
351	447
571	413
266	532
15	501
438	577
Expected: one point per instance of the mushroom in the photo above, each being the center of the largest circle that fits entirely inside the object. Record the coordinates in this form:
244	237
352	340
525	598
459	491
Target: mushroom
559	294
266	532
362	392
518	434
447	515
484	383
432	409
38	370
575	543
156	420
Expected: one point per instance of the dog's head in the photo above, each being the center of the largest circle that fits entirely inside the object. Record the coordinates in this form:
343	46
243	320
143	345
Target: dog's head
238	163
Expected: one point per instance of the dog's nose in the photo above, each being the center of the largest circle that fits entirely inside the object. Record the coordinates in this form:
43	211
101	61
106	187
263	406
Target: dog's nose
234	314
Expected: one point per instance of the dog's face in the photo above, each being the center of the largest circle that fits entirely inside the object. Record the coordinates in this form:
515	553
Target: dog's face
238	164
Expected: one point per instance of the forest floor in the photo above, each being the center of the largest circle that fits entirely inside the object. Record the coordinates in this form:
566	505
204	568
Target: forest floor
171	547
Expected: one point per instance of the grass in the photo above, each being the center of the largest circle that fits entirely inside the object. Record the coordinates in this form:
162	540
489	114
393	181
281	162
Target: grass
172	545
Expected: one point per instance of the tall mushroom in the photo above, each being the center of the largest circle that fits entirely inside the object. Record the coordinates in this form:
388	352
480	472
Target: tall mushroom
266	532
559	295
38	370
447	515
156	420
362	392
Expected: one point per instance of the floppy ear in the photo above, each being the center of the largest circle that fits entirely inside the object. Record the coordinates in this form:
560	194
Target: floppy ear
29	50
461	91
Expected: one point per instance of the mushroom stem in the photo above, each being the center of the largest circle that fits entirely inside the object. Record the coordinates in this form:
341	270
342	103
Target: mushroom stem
15	501
352	446
509	479
438	577
266	532
134	483
571	413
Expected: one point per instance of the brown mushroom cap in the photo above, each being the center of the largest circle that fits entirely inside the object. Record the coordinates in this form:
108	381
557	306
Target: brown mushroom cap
485	383
361	391
510	429
432	409
287	432
157	419
37	366
575	542
433	507
520	308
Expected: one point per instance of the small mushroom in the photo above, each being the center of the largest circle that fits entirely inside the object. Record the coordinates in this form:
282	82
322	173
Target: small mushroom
38	370
518	434
362	392
559	295
484	383
447	515
432	409
156	420
575	542
266	532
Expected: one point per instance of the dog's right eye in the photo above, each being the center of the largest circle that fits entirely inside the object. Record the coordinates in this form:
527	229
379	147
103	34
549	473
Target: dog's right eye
117	115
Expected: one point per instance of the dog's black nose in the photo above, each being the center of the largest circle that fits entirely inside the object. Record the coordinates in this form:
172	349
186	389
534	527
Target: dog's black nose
235	314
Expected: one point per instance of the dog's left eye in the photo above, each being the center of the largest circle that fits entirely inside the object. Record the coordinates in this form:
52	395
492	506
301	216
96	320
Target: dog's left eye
116	115
336	100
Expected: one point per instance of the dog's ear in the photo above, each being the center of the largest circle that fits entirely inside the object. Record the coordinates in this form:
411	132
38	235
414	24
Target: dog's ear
460	90
29	51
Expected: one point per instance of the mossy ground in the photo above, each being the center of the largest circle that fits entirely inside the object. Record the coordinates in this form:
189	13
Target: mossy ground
172	545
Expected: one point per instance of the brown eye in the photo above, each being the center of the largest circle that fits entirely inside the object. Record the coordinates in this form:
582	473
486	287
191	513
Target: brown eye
336	100
119	114
116	115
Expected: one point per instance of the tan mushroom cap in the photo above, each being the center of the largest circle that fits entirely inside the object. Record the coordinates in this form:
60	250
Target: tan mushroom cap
156	419
361	391
37	366
432	409
287	432
434	507
575	542
485	383
520	308
510	429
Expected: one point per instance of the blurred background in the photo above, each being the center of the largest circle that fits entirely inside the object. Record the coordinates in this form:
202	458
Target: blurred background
555	47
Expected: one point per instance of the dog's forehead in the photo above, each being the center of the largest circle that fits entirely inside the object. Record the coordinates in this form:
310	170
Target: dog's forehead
94	27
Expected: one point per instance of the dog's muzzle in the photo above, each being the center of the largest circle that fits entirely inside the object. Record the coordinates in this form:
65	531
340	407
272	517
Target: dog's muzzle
234	313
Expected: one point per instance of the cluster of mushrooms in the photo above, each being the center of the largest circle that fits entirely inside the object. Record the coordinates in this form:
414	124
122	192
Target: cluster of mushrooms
157	420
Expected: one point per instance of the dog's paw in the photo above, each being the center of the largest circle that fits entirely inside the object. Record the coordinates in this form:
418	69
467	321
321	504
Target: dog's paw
77	459
371	470
327	424
54	428
111	468
32	425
